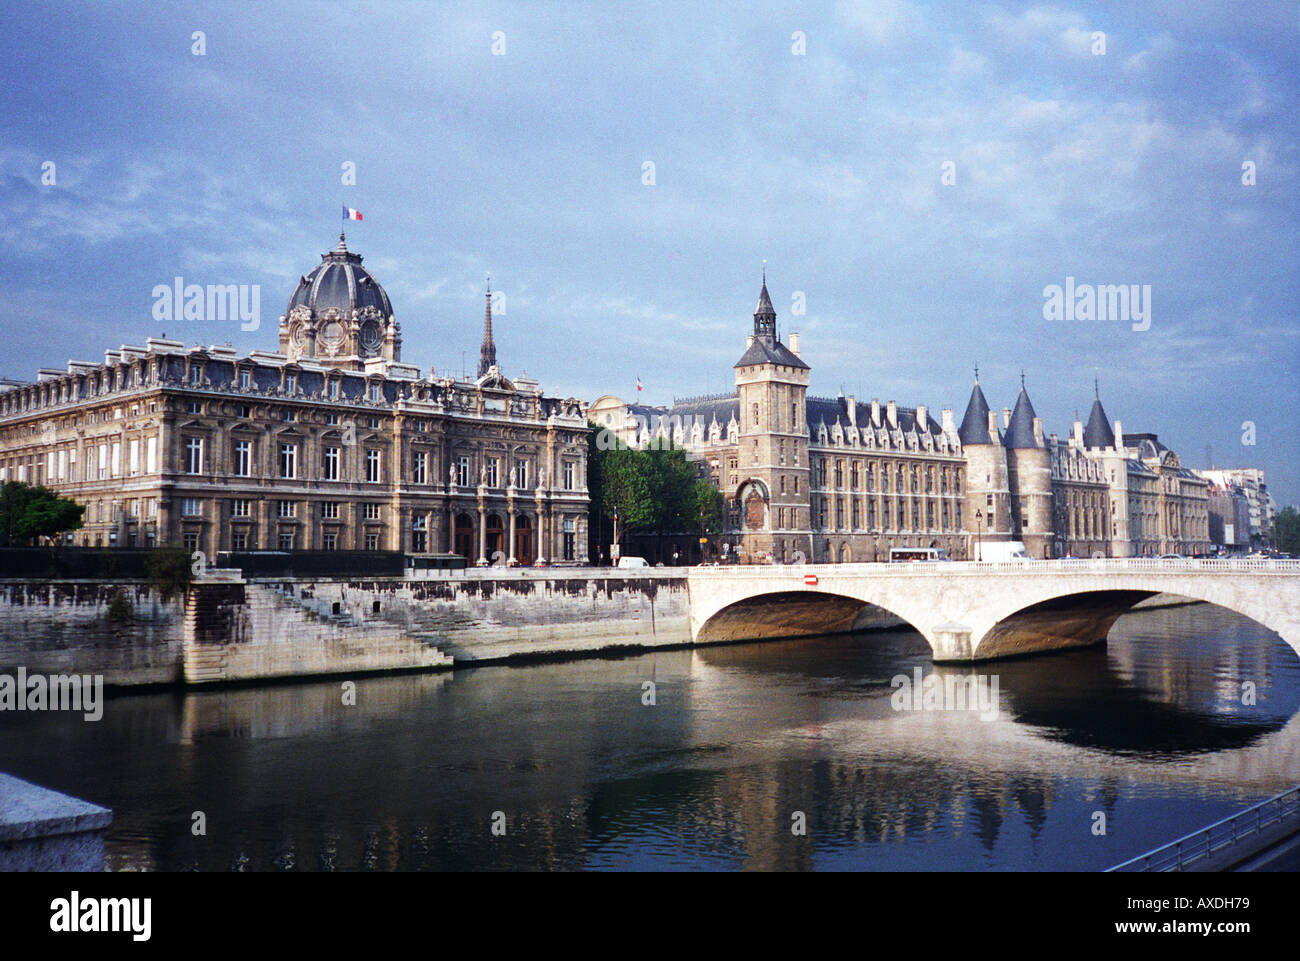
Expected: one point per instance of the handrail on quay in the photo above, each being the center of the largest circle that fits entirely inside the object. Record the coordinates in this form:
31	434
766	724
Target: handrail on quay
1199	845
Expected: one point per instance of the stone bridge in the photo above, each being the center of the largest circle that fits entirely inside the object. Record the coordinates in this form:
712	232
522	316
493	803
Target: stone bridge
977	611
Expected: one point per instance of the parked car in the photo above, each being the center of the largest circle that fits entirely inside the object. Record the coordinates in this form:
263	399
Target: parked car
1172	557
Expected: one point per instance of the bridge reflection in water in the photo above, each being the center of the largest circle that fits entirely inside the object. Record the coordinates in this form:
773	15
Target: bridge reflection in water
1151	731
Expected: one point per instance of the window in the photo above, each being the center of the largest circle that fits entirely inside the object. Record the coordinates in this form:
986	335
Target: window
286	540
372	466
419	467
988	500
372	541
376	392
462	471
239	541
240	508
372	512
196	407
291	383
245	380
332	420
286	508
491	466
569	539
196	374
372	423
193	455
568	475
191	507
288	416
151	455
334	388
245	411
521	473
330	541
115	461
190	539
329	510
133	458
755	415
289	460
243	458
331	463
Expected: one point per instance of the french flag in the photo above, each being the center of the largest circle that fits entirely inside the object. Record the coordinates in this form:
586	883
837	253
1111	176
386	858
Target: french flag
350	214
638	384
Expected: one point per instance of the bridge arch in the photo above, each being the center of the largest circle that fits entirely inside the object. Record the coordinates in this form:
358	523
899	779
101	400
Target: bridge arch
795	614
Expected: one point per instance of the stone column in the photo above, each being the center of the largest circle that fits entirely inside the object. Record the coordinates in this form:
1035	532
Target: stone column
510	550
541	527
482	534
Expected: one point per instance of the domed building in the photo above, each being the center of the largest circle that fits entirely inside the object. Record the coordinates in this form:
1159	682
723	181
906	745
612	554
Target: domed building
330	443
339	315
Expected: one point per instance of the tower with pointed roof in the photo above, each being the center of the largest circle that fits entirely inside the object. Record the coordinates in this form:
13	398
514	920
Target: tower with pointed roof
1029	478
988	491
772	455
487	352
1100	441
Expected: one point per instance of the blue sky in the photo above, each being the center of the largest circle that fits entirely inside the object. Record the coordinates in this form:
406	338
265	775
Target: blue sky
1122	168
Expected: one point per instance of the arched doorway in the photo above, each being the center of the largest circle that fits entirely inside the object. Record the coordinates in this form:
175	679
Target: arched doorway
524	539
465	537
496	540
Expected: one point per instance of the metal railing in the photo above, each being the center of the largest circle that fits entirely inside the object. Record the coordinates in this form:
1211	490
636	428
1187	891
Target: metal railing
1200	845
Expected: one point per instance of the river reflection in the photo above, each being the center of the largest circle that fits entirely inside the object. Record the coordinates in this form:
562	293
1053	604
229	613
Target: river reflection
741	745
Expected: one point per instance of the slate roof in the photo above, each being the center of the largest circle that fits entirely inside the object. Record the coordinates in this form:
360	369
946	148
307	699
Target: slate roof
827	409
1020	429
1098	432
975	425
339	281
761	352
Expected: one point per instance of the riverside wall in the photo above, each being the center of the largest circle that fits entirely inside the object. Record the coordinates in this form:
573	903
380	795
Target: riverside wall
229	628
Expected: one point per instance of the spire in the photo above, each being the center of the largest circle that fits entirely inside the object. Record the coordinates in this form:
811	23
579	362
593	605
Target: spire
975	424
487	354
764	315
1098	432
343	244
1020	429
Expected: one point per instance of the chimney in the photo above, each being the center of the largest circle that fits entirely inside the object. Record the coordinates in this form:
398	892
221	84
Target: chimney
891	412
794	344
852	408
993	428
922	418
875	412
948	426
749	341
1078	433
1006	417
1119	436
1038	431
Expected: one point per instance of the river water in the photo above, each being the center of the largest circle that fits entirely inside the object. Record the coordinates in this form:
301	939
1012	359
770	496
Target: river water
1094	756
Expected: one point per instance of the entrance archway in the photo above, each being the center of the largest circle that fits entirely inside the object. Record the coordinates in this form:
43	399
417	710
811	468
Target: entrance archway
496	540
525	541
465	537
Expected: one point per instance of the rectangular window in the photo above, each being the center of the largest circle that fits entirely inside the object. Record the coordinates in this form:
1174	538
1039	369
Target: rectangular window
331	464
239	541
286	540
521	473
570	540
332	420
115	460
372	541
289	416
491	464
289	460
462	471
419	467
196	374
245	380
291	383
330	541
376	392
568	475
240	508
191	507
286	508
334	389
194	455
372	512
329	510
243	458
190	539
196	407
372	466
151	455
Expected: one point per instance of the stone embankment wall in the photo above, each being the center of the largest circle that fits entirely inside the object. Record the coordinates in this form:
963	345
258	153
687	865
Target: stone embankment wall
227	628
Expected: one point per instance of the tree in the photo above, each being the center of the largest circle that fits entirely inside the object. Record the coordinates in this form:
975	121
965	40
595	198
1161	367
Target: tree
1286	531
28	512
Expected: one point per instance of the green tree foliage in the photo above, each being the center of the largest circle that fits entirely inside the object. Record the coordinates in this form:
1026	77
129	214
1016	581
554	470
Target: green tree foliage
652	490
169	569
1286	531
29	512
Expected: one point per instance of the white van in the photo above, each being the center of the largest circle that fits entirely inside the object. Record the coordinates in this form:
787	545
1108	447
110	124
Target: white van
632	562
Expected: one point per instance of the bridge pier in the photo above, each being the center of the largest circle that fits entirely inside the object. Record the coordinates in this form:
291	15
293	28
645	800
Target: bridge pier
951	643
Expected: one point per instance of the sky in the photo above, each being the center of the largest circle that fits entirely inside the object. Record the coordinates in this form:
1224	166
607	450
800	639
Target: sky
915	176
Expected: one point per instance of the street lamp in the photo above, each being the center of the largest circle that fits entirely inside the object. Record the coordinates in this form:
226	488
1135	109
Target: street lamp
979	525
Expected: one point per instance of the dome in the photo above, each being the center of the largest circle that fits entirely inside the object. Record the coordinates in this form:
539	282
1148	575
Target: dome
338	314
340	282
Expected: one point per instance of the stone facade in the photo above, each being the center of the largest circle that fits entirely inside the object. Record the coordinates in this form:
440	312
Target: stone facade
332	443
